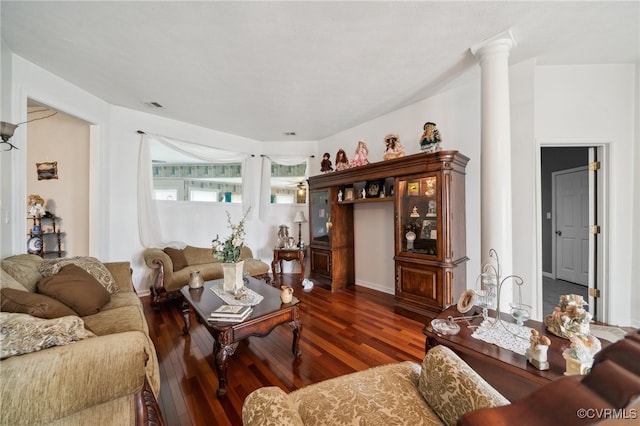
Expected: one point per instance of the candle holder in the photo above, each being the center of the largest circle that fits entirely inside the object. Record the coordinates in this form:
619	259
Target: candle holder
491	283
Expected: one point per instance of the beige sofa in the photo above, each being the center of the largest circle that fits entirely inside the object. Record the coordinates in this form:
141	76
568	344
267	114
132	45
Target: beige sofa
172	268
437	392
111	378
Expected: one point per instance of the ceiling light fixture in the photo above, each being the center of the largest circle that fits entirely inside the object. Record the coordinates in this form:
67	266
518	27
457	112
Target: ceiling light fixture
6	132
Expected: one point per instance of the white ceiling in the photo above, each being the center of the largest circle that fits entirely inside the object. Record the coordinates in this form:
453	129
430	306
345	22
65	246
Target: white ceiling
258	69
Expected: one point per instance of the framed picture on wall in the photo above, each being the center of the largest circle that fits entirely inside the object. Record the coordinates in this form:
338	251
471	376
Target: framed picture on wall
47	170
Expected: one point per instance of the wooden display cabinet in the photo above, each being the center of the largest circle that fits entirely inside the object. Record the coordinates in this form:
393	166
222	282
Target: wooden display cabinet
428	192
431	236
331	246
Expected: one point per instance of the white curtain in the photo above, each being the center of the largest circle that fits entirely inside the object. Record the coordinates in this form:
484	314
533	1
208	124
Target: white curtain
149	227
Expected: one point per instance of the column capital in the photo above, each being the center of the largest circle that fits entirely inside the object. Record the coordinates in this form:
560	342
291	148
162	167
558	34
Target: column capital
500	43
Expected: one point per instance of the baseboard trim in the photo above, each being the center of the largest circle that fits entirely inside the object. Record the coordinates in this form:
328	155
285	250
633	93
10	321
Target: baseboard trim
376	286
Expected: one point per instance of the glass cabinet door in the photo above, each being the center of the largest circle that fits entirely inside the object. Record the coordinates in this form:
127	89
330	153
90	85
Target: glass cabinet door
418	213
320	216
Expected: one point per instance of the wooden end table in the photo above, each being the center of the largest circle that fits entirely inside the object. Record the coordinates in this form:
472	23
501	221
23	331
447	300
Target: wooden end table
288	254
507	371
267	315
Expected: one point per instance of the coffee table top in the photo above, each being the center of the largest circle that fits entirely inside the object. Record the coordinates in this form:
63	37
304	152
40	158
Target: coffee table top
204	301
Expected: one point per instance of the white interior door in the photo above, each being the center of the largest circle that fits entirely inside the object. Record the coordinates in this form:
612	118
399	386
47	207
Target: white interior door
572	225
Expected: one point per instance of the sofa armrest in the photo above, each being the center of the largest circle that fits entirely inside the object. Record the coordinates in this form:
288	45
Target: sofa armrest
155	257
452	388
269	406
121	272
53	383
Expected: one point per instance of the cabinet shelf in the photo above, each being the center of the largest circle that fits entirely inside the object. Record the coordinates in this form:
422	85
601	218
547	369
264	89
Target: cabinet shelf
428	192
367	200
45	243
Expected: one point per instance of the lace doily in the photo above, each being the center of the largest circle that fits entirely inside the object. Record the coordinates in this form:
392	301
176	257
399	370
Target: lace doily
251	299
498	335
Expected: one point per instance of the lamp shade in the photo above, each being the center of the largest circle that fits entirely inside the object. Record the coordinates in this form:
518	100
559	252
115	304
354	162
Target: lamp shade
6	130
299	218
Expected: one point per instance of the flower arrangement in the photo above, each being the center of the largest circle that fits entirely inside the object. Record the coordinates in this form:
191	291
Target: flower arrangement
569	318
228	251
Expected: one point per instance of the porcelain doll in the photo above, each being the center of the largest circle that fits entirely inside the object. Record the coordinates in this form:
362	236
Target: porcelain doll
325	164
394	147
342	162
360	157
430	140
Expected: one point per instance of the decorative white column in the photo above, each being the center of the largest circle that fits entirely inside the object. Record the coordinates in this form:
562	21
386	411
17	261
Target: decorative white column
495	153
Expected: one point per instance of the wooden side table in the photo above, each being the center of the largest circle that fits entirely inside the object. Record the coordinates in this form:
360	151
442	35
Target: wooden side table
288	254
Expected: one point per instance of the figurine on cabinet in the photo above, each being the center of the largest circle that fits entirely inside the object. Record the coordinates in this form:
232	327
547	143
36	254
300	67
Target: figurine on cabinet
394	147
325	164
430	140
537	351
361	156
342	162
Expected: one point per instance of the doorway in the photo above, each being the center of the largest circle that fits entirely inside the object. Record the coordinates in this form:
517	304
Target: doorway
569	195
64	140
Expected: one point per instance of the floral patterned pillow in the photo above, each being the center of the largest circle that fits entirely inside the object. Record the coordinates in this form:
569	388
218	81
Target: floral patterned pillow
452	388
22	333
90	264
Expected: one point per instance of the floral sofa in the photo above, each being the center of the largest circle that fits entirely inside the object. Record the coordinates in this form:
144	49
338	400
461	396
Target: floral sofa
437	392
75	345
172	268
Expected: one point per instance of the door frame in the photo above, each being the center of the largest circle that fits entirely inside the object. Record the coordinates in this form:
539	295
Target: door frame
601	264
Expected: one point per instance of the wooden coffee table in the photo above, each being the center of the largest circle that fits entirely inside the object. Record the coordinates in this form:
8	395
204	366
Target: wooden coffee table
267	315
506	371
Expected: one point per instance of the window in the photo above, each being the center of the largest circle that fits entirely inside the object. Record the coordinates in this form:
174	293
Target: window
198	182
165	194
288	184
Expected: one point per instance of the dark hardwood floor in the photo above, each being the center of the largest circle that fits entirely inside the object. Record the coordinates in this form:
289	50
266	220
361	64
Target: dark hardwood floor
346	331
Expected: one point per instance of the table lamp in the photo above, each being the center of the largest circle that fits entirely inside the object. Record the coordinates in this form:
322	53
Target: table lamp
299	219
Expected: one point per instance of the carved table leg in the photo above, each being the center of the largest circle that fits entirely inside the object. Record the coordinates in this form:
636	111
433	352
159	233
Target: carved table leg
222	352
296	326
185	313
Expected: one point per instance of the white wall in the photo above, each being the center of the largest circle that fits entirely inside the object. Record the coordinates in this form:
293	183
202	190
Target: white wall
562	104
457	115
30	81
596	104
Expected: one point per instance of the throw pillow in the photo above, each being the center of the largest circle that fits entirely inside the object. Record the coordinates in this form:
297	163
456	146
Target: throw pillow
37	305
198	255
24	269
90	264
22	333
76	288
452	388
177	258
